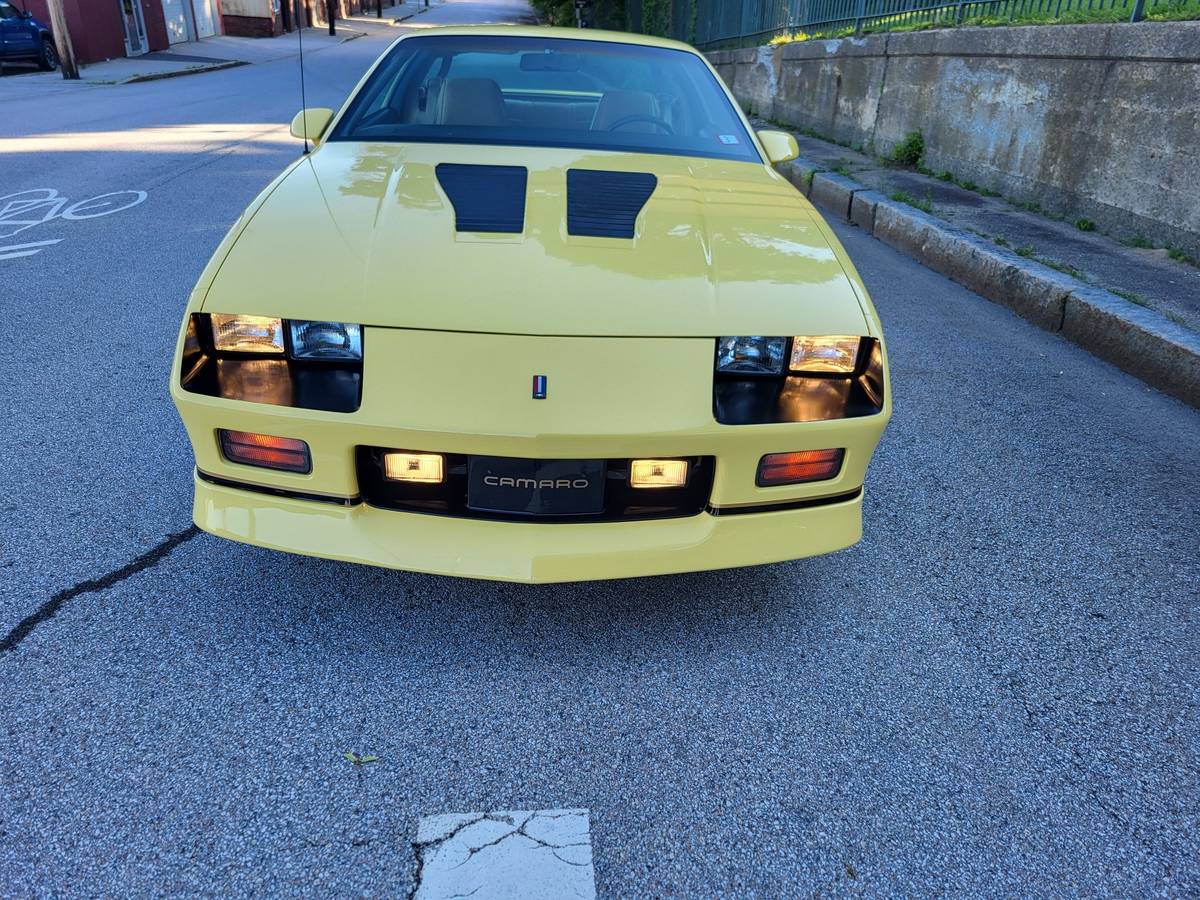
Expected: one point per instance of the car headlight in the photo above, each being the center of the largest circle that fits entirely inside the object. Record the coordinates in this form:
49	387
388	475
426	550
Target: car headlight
758	355
751	355
830	355
247	334
326	340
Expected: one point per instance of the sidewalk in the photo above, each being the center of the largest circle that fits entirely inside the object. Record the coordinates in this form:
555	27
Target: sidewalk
394	14
189	58
1144	276
1137	307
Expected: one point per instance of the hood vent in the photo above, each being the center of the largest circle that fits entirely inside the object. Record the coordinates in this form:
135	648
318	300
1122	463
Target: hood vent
606	204
485	198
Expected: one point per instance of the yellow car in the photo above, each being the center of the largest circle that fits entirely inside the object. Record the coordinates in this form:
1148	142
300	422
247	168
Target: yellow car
536	307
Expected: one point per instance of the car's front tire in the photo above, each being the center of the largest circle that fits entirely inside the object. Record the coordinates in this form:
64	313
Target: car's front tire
48	58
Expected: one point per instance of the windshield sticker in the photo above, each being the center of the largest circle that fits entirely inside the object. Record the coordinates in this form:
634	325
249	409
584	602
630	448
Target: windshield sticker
728	138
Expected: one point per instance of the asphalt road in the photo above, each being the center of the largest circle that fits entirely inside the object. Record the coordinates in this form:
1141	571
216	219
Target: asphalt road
996	692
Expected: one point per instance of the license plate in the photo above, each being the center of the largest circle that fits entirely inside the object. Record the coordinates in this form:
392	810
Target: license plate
536	487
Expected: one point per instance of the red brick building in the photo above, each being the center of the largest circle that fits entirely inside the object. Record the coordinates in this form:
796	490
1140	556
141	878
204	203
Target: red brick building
107	29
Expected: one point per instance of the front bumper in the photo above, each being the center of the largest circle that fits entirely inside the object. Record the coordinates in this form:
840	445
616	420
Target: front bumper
470	394
527	552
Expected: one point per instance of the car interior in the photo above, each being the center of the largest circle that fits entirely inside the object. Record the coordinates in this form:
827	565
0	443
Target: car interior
547	95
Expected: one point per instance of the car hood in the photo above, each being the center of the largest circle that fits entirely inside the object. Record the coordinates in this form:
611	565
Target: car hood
365	233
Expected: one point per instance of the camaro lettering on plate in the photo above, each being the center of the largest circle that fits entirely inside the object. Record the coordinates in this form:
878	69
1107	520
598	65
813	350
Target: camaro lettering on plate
534	483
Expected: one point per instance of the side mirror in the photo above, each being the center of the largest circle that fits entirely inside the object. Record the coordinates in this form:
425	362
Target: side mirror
780	146
312	123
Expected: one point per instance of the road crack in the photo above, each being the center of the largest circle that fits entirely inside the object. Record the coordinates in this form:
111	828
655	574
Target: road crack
51	607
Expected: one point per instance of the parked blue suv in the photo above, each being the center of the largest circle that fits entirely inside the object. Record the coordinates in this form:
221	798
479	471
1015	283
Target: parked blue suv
24	39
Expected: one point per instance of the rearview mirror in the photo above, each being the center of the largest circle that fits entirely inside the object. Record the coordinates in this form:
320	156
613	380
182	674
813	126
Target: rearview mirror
780	146
554	61
311	123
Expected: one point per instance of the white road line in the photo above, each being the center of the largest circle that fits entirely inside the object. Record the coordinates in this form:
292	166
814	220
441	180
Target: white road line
12	251
543	854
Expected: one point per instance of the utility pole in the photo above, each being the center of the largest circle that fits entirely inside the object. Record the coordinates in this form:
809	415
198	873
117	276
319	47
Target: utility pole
331	15
62	40
379	9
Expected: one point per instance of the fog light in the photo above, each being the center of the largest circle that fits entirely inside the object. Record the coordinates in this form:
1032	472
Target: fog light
799	467
425	468
265	451
658	473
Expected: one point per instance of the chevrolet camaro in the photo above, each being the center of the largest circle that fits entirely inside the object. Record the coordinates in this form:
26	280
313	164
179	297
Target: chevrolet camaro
535	307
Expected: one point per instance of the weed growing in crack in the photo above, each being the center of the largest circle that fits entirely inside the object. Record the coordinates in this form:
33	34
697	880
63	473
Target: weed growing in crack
1131	297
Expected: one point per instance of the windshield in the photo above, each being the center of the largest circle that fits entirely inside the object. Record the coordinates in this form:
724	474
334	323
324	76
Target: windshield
547	92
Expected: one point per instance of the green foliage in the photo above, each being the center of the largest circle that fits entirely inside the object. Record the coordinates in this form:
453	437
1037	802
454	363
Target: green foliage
1085	224
1131	297
1025	251
656	17
1180	256
910	150
1065	268
842	169
602	14
1001	15
1140	241
925	205
1001	240
944	175
968	185
356	760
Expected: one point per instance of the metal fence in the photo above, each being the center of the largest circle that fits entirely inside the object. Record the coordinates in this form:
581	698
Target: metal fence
711	24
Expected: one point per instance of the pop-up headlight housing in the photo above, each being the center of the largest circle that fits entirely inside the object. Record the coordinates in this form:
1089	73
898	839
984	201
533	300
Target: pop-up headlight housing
283	362
811	378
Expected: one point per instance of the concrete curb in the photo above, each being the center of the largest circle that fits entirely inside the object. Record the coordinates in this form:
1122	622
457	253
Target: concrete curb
1135	340
195	70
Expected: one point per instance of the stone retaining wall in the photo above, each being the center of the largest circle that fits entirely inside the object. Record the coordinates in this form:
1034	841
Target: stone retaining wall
1087	121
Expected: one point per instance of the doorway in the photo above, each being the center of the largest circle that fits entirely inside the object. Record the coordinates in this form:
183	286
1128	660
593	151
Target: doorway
205	15
133	27
177	18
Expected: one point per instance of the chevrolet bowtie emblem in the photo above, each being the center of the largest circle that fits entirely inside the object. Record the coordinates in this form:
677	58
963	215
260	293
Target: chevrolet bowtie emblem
539	387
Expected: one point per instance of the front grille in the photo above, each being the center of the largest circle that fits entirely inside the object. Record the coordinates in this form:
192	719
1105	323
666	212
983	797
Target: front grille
449	498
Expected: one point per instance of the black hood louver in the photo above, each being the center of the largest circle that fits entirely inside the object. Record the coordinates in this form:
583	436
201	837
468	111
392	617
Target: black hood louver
606	204
485	198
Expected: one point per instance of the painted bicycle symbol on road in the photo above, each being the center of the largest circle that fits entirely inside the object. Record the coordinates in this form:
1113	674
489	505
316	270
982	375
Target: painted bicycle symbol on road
28	209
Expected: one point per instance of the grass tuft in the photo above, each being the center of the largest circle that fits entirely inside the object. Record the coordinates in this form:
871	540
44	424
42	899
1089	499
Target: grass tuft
1132	297
1179	256
926	205
910	150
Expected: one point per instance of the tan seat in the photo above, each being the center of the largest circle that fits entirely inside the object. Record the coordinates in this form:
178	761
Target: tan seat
472	101
617	105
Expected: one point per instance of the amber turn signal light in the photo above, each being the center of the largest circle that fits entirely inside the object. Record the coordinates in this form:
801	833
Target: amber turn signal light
799	467
265	451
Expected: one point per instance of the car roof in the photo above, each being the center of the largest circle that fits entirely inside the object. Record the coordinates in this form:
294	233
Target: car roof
541	31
